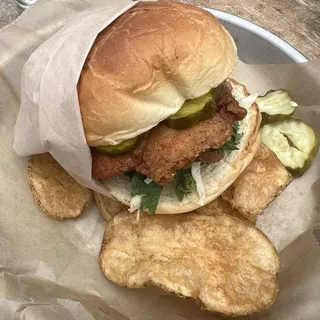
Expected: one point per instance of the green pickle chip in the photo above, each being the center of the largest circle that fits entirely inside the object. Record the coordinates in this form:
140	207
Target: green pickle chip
194	110
124	146
276	105
294	143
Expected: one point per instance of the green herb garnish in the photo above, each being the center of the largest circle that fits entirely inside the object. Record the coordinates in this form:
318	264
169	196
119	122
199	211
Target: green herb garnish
234	140
150	192
184	183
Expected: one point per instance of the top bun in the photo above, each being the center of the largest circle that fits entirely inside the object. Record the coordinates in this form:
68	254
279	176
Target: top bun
144	65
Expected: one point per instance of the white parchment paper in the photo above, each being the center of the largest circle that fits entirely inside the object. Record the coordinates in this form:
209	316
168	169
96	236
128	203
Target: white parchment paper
49	269
49	117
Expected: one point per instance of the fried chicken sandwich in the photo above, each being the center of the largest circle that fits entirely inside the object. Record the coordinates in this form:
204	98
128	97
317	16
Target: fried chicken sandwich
168	130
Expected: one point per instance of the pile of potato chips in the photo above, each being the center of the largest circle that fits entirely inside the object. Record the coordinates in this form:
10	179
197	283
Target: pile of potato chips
214	255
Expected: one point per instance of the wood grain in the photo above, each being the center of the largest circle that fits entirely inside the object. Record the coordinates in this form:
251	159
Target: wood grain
295	21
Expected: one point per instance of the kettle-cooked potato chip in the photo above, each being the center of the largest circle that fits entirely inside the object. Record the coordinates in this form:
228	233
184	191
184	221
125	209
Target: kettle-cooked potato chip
108	207
224	263
220	206
54	190
259	184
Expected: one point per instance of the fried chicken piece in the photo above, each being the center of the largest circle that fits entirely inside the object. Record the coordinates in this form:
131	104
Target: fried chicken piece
210	156
169	150
104	166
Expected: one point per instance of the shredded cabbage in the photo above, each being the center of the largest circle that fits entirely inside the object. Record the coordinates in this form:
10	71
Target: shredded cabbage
135	205
196	174
247	102
148	180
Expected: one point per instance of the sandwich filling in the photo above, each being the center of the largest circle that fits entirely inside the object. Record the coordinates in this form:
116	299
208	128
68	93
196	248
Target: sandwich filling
164	153
164	150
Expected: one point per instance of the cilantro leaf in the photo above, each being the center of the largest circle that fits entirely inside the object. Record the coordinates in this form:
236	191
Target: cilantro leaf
150	192
184	183
179	194
237	136
234	140
228	146
235	126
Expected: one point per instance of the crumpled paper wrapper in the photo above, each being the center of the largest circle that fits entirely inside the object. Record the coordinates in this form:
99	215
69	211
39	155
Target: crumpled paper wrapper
49	269
49	117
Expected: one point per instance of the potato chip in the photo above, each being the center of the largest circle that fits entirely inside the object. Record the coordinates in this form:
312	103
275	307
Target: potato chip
108	207
224	263
54	190
259	184
220	206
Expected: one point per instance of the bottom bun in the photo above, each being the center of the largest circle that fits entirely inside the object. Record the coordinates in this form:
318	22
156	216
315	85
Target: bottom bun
216	177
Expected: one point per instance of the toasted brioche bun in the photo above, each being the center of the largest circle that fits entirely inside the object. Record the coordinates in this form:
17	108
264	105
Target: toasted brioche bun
216	177
143	67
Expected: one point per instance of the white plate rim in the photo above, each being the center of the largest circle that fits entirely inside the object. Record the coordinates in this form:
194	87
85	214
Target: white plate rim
261	32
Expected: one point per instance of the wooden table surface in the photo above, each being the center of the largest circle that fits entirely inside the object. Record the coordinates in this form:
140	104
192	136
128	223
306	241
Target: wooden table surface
295	21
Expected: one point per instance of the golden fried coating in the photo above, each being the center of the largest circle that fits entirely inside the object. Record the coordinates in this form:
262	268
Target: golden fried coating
104	166
169	150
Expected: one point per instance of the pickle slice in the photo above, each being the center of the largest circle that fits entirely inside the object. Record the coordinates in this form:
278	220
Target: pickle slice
193	111
124	146
276	105
294	143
